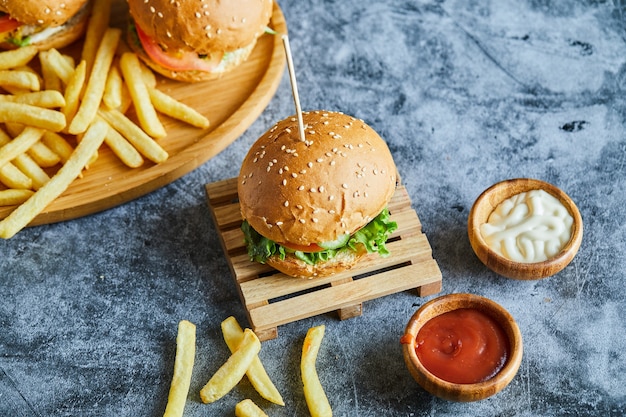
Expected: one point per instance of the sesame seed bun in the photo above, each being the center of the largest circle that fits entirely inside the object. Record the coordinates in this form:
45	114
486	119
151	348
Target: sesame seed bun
210	28
66	21
41	12
204	27
335	182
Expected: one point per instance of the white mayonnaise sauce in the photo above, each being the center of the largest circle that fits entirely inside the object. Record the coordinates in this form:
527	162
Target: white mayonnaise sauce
528	227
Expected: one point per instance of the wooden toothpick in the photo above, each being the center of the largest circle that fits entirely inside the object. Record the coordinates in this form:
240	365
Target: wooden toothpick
294	86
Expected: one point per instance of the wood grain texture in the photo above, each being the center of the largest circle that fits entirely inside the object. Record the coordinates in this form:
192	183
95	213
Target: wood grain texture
231	103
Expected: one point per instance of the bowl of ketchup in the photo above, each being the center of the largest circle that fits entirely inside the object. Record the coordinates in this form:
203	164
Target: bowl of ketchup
462	347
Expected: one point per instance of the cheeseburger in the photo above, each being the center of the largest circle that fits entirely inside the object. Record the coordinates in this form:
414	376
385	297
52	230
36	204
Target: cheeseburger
313	207
45	24
191	40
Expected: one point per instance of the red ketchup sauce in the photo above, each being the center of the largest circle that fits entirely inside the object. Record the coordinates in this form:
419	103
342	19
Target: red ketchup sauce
462	346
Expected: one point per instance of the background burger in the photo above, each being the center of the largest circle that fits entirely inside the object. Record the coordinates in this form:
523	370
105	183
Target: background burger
191	40
312	208
45	24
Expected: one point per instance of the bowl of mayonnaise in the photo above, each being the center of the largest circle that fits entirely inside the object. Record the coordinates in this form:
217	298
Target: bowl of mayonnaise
525	228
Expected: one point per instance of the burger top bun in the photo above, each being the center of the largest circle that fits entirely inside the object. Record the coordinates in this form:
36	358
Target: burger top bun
204	27
312	191
41	12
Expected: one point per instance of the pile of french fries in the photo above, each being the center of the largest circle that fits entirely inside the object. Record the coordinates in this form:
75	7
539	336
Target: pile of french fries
244	346
56	113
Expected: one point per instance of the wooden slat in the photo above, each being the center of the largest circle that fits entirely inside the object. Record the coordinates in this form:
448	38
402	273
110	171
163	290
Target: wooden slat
332	298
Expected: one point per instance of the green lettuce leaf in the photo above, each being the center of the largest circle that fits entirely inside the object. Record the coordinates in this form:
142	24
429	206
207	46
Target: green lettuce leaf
373	236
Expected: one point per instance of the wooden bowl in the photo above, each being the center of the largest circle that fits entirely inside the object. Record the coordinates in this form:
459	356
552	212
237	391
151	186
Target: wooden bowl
455	391
489	200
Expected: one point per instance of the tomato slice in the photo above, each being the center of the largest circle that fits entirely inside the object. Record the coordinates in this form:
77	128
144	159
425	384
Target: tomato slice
8	24
180	61
313	247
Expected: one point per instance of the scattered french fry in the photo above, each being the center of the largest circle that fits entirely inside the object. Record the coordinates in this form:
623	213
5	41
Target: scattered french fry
247	408
24	213
147	146
12	197
148	119
17	57
58	64
112	97
51	80
233	335
95	31
168	105
97	80
31	116
13	178
72	91
19	79
231	372
313	391
122	148
183	367
26	165
48	99
58	145
19	144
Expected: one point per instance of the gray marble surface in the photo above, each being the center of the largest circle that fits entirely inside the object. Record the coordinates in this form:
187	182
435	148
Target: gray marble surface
467	93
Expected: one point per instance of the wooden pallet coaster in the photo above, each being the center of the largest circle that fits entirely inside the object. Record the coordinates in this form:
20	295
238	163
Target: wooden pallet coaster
272	299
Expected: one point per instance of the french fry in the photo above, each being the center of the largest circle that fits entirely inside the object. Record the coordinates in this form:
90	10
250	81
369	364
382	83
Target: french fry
17	57
147	146
112	97
148	119
31	116
58	145
26	165
27	211
95	31
51	80
20	144
73	90
314	394
19	79
59	63
148	76
41	154
48	99
13	178
12	197
97	80
183	366
231	372
170	106
122	148
247	408
233	335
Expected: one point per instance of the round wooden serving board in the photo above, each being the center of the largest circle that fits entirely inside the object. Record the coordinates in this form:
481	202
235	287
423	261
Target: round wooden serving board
231	103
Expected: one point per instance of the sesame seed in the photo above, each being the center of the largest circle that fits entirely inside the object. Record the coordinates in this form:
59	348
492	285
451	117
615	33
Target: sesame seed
302	221
331	197
320	159
279	223
303	171
299	207
321	189
294	175
300	188
284	182
310	164
286	203
288	130
344	185
331	211
313	190
332	163
315	220
152	9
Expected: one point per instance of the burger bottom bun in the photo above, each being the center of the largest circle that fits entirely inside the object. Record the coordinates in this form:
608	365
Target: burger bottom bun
66	36
297	268
193	76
